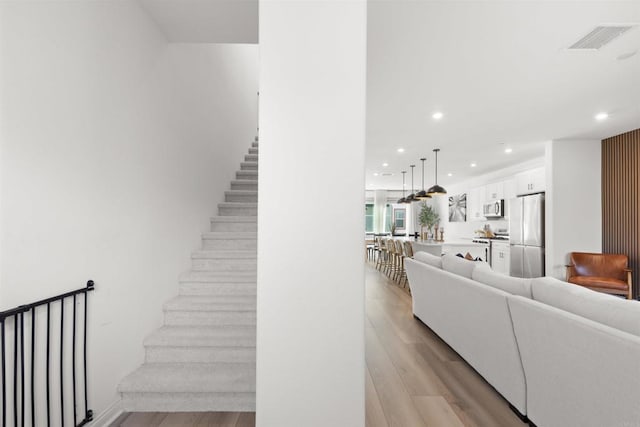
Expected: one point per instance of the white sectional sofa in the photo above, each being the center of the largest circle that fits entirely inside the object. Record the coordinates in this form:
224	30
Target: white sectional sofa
562	355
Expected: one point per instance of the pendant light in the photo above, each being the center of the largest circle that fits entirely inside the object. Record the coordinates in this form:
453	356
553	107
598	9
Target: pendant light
436	189
422	195
411	197
402	199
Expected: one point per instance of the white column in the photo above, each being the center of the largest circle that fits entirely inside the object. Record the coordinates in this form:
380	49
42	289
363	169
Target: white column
379	206
573	201
310	362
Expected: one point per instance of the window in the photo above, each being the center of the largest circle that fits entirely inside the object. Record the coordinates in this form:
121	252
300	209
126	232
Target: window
368	217
399	216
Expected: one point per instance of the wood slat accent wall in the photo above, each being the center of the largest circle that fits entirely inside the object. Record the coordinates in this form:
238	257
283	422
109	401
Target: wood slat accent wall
620	199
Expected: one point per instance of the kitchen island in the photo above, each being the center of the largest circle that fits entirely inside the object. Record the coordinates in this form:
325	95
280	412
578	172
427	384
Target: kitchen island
476	250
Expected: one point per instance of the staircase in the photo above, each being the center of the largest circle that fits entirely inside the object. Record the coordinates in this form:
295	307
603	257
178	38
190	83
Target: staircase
204	357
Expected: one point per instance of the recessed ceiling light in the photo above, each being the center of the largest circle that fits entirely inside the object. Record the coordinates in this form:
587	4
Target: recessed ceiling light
449	174
400	150
384	165
602	116
437	115
473	165
375	174
508	150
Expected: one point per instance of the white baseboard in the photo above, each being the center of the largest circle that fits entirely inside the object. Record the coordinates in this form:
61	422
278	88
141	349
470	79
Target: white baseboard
109	415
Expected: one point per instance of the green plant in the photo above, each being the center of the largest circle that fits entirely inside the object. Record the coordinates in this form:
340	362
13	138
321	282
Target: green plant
428	217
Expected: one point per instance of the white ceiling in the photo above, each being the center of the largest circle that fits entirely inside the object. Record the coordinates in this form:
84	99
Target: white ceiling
205	21
500	73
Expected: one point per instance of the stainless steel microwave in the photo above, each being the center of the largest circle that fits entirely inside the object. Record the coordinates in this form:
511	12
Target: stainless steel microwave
494	209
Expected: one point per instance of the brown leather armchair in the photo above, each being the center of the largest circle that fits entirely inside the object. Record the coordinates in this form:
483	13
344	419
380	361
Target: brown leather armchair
601	272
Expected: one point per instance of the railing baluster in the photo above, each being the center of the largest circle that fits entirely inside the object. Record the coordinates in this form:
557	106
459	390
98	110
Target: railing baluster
73	359
62	362
88	412
33	366
48	364
22	369
15	369
4	380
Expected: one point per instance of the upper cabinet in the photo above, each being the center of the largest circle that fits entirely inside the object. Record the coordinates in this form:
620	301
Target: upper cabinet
494	191
475	203
531	181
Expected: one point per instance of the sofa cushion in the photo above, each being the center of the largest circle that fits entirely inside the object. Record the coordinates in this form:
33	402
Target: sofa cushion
428	258
603	308
600	282
512	285
460	266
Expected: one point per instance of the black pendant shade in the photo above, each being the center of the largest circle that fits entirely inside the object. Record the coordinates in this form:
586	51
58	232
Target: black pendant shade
422	194
402	199
436	189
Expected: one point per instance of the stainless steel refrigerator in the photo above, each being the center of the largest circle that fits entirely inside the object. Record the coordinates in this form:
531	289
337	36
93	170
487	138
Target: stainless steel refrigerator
526	236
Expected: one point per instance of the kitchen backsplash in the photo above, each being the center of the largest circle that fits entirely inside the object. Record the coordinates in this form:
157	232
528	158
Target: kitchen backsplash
465	230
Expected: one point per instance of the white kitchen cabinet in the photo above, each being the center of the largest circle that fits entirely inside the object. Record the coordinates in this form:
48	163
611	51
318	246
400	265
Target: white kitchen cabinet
494	191
500	261
509	187
531	181
475	203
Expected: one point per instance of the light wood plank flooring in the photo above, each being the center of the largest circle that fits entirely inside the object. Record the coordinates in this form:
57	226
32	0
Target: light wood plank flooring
187	419
413	378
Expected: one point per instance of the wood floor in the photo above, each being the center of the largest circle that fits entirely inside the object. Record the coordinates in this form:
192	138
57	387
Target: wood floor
413	378
187	419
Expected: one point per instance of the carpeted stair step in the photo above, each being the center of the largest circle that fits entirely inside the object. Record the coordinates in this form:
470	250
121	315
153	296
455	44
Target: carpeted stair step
253	150
234	223
237	209
244	184
251	157
217	288
245	174
226	260
167	387
249	166
201	344
247	196
235	240
210	310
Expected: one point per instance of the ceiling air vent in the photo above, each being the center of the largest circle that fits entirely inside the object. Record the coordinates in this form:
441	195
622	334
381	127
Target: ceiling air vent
600	36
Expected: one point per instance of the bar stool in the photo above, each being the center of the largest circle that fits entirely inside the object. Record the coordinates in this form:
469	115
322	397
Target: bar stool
383	255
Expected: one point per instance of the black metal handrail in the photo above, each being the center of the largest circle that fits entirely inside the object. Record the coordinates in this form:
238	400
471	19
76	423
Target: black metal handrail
16	316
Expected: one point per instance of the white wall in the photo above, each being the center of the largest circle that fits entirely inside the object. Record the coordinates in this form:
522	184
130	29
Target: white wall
573	201
216	105
112	162
310	360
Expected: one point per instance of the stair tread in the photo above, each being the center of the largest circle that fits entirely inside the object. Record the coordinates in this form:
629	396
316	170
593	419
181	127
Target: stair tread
238	204
219	277
230	235
238	303
235	218
190	377
250	254
242	192
218	288
198	336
